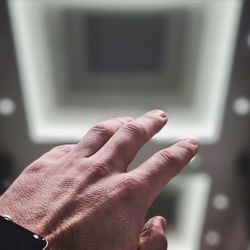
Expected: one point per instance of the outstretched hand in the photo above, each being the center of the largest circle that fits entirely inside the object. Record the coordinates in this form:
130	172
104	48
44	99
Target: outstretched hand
80	196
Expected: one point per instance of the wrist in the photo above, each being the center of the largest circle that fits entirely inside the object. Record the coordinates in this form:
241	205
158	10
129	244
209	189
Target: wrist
15	237
27	219
22	217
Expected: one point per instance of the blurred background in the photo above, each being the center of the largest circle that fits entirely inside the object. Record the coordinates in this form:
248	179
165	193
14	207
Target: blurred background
65	65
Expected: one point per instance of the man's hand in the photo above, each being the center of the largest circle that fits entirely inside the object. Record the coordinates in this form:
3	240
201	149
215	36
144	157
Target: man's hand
81	196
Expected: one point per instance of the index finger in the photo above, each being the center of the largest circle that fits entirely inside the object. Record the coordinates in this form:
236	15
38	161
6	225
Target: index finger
157	171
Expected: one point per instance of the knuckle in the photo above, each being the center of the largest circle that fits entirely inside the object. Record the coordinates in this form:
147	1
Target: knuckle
129	185
155	121
58	147
101	129
188	150
99	169
169	157
38	166
61	148
33	169
134	130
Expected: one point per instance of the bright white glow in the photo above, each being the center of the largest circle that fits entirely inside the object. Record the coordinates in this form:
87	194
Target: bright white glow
212	238
221	202
241	106
49	122
7	106
191	210
7	217
35	236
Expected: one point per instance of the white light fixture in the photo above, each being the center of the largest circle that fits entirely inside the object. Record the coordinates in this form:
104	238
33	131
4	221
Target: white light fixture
191	211
213	238
221	201
241	106
55	114
7	106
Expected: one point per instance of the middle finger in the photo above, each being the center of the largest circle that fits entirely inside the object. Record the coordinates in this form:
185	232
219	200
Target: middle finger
121	149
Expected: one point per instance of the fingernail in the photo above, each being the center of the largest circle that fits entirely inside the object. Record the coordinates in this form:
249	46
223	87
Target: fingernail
159	113
193	141
163	224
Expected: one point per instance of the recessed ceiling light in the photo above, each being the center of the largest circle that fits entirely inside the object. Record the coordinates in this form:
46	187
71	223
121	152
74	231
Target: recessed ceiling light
7	106
241	106
212	238
220	201
57	112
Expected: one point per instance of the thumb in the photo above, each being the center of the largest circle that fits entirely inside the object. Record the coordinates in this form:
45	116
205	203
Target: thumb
153	235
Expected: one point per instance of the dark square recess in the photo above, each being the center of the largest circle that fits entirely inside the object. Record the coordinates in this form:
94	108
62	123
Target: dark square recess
125	43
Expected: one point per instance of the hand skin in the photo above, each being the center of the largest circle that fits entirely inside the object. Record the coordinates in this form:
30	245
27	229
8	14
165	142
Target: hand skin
81	196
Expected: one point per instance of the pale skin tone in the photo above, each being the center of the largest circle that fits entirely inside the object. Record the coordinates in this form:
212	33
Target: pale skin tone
81	196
